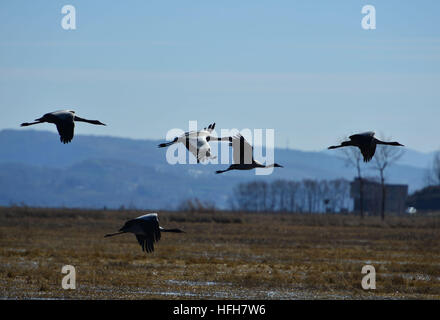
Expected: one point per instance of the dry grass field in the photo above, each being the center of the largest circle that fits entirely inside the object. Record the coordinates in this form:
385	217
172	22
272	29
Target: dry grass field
222	255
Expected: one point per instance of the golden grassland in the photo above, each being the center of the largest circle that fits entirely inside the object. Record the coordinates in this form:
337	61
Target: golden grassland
222	255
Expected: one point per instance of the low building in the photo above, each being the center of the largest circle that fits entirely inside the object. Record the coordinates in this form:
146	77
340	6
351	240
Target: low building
395	197
427	199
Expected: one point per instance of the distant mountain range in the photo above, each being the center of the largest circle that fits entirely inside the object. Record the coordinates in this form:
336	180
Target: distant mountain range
98	171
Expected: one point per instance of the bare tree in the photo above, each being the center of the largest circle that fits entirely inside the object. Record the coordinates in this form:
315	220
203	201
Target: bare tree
241	199
353	158
196	205
264	193
292	189
278	192
311	189
253	196
339	191
436	168
385	157
433	174
324	195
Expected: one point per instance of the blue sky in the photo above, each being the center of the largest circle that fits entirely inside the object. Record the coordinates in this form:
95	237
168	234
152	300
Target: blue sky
304	68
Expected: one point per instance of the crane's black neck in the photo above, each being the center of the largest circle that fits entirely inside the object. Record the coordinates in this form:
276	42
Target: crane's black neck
394	143
88	121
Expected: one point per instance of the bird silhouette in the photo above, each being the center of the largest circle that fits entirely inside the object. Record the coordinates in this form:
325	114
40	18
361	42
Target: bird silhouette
146	229
65	122
242	154
366	142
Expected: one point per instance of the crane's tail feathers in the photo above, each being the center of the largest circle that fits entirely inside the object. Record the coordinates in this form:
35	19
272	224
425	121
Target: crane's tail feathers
334	147
220	171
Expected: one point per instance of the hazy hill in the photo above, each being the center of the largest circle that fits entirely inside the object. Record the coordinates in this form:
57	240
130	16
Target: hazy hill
96	171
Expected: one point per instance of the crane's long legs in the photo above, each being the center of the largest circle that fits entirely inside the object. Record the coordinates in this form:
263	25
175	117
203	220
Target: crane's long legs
221	171
167	144
113	234
334	147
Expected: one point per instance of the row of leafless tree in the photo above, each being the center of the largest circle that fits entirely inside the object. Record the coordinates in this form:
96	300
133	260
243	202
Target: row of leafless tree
292	196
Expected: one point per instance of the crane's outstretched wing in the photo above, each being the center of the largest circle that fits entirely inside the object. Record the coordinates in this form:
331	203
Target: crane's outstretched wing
368	151
206	132
151	234
363	135
65	128
242	150
365	142
146	243
210	127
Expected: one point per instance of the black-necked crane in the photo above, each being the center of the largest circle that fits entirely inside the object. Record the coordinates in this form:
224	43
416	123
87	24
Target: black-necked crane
366	142
197	142
242	154
65	122
146	229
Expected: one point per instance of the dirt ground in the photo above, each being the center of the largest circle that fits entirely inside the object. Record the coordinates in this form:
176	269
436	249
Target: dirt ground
222	255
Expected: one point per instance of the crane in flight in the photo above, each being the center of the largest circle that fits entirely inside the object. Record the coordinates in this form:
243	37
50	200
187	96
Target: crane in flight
242	154
197	142
146	229
366	142
65	122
